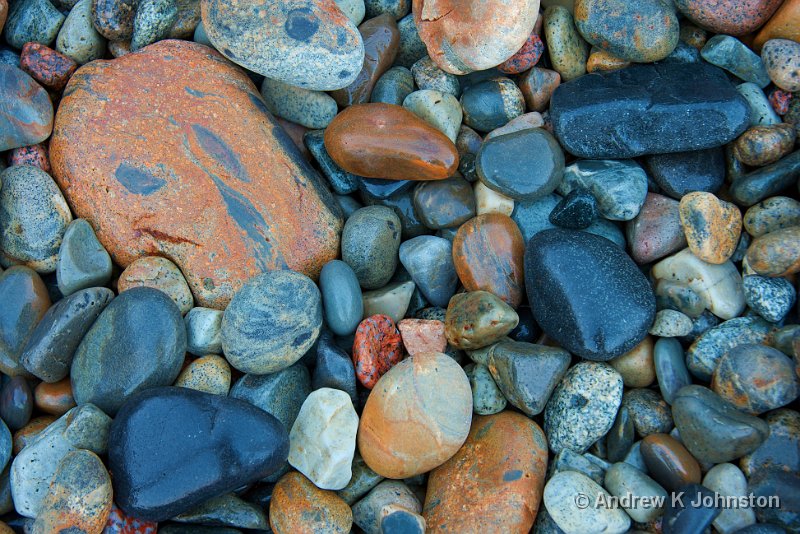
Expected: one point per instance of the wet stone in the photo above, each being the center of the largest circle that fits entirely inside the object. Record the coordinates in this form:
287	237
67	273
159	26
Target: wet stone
766	181
781	450
341	181
392	300
620	187
429	261
393	86
670	368
656	231
32	20
28	301
16	402
668	462
444	203
487	399
776	253
411	48
761	111
48	67
682	516
636	365
576	211
566	47
429	76
203	331
704	354
312	109
376	349
684	172
477	319
491	103
82	260
734	56
763	145
771	298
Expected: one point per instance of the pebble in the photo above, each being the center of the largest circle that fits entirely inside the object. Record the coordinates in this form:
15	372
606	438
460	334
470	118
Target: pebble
684	172
158	273
623	479
363	480
383	141
771	214
444	203
393	86
406	435
78	38
674	102
428	76
491	103
153	21
203	331
376	349
620	187
280	394
527	374
576	211
732	18
636	366
368	512
656	230
526	121
16	402
619	439
35	155
79	497
477	37
32	20
82	260
583	407
712	428
487	399
644	31
396	518
780	450
571	518
771	298
429	261
391	300
334	369
477	319
782	60
776	253
209	374
668	461
734	56
312	109
578	298
763	145
54	399
704	354
113	19
526	57
523	165
782	25
271	322
228	510
354	9
537	86
309	45
137	342
682	516
297	505
341	297
341	181
411	48
5	445
761	112
323	438
440	110
567	50
490	201
670	368
49	68
494	482
727	479
766	181
157	429
712	226
28	433
648	411
422	335
601	60
26	304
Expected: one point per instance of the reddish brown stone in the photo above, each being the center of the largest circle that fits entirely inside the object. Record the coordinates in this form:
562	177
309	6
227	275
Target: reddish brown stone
470	35
297	505
3	13
776	253
48	67
784	24
494	483
28	433
35	155
488	254
731	17
119	523
601	60
525	58
381	42
537	86
194	181
421	335
387	141
377	347
668	462
54	399
656	231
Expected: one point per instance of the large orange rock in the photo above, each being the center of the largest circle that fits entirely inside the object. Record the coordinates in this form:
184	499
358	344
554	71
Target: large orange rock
494	483
386	141
170	151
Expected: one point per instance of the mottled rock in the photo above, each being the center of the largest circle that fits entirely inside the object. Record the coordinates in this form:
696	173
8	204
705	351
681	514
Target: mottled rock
680	173
32	20
620	187
78	39
312	109
389	494
429	261
771	214
48	67
569	513
566	47
444	203
477	319
732	18
297	505
656	231
27	303
712	226
537	86
782	60
421	335
491	103
209	374
771	298
776	253
734	56
376	349
704	354
158	273
203	331
763	145
113	19
782	24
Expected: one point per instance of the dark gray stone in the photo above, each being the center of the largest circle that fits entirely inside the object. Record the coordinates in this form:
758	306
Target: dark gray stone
429	261
683	172
341	297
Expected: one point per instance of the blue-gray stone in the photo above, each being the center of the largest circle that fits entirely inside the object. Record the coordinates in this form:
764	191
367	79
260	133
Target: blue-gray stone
393	86
682	517
342	182
341	297
32	20
279	394
5	445
766	181
620	187
609	230
683	54
734	56
370	241
334	369
771	298
576	211
703	355
683	172
671	371
82	260
411	47
402	202
429	261
152	22
533	216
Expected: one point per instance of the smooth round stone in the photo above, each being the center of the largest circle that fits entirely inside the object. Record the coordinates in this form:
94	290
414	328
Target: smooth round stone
619	439
582	407
78	39
310	44
761	112
487	399
444	203
537	86
417	416
491	103
566	47
636	366
158	273
476	37
411	48
428	76
341	297
771	214
765	182
228	509
209	374
527	374
682	516
203	331
386	496
393	86
782	60
312	109
571	516
386	141
671	323
490	201
776	253
623	480
620	187
429	261
494	482
377	347
370	243
334	369
669	462
763	145
524	165
649	412
734	56
113	19
32	20
153	21
157	431
391	300
27	301
755	378
533	216
440	110
670	368
656	231
576	211
137	342
245	229
82	260
643	31
728	480
732	18
587	294
32	205
477	319
323	438
771	298
602	61
279	394
683	172
704	354
49	350
16	403
297	505
712	428
488	255
271	322
527	56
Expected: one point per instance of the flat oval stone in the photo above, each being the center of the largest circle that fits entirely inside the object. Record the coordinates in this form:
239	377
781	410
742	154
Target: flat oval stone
271	322
312	109
488	256
494	482
669	462
524	165
370	244
310	44
32	20
477	319
587	294
636	366
712	428
387	141
670	368
203	331
16	402
766	181
157	430
571	516
193	157
79	40
138	342
417	416
26	113
567	50
623	479
297	505
27	301
683	172
782	60
763	145
656	231
696	100
341	297
776	253
643	31
474	36
734	56
620	187
82	260
771	214
712	226
444	203
732	18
